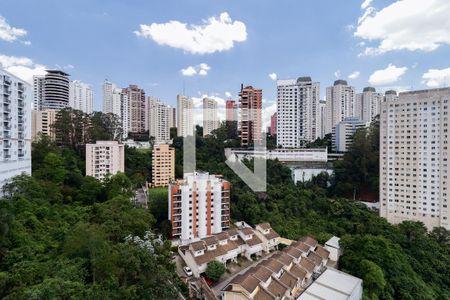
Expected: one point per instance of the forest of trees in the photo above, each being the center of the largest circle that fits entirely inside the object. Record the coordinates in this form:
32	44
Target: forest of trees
64	235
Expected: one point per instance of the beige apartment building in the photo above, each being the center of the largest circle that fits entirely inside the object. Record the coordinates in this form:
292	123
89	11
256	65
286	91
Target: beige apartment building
42	123
163	165
414	154
103	158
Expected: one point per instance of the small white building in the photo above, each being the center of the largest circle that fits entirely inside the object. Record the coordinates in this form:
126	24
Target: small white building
332	245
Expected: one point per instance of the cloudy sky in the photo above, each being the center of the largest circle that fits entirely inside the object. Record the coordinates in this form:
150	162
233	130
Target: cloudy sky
210	47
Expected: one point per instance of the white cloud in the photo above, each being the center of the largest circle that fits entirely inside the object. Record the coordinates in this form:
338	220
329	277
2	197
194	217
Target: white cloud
200	69
27	43
228	94
215	34
387	76
273	76
406	25
434	78
22	67
366	4
337	74
354	75
9	33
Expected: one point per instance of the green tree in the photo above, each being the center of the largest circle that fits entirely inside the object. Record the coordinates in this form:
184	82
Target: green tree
214	270
374	282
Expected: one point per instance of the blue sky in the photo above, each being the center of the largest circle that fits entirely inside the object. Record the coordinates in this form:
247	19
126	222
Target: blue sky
94	40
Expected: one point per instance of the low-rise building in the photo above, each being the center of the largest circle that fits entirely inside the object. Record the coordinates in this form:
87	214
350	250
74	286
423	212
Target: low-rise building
268	236
343	132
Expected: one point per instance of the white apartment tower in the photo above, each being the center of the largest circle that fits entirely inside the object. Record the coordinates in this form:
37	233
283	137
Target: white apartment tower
15	127
340	103
343	132
116	102
414	158
210	118
323	117
103	158
199	205
158	121
51	91
81	96
367	105
185	116
298	112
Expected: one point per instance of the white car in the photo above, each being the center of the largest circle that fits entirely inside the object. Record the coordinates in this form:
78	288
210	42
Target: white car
188	271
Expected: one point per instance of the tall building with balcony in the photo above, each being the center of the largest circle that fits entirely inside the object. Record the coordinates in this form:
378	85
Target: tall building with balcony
199	205
210	117
15	127
159	120
104	158
116	102
42	123
185	116
367	105
343	132
81	96
163	165
172	117
340	103
390	95
51	91
323	117
298	112
273	124
137	109
250	100
414	158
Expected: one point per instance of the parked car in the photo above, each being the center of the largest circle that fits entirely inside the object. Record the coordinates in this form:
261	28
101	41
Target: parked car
188	271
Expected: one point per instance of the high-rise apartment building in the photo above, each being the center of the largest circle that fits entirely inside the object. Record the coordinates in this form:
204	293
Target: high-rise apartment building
323	117
185	116
172	117
42	123
137	109
158	120
298	112
116	102
15	133
390	95
367	105
51	91
81	96
343	132
250	100
163	165
414	158
199	205
273	124
210	117
340	103
231	111
104	158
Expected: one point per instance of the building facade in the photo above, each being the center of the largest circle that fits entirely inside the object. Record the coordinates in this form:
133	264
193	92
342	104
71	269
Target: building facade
298	112
159	120
199	205
231	111
51	91
273	124
81	96
185	116
250	100
172	117
210	117
42	123
137	109
343	132
163	165
116	102
414	158
368	103
323	117
340	104
104	158
15	128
